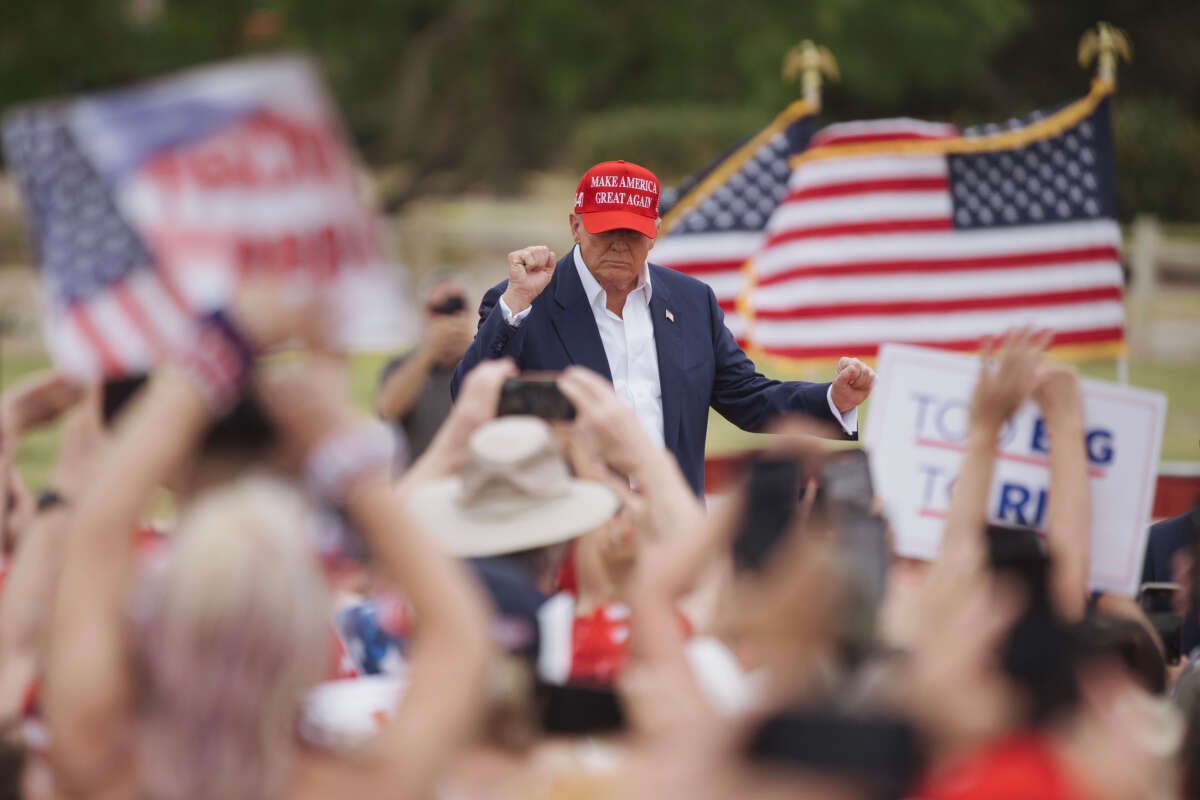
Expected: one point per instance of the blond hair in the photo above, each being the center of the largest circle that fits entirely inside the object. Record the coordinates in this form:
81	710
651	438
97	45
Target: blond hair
232	631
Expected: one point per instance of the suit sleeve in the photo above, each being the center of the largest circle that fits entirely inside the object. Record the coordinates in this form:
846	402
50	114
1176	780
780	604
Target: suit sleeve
749	399
495	338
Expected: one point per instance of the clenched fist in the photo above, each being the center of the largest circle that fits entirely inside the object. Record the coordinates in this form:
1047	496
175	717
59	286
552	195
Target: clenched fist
852	382
529	270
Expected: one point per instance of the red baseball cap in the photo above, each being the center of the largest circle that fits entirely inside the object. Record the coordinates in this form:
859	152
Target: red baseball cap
618	194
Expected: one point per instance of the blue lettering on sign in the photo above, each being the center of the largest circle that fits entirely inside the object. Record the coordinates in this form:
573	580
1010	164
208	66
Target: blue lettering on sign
1099	442
1013	498
1019	505
1040	442
1100	446
958	431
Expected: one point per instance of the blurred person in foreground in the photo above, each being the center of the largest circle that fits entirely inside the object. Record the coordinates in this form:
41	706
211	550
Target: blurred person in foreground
185	679
414	389
656	334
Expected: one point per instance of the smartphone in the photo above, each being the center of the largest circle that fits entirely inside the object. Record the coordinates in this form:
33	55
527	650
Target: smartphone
1158	601
772	494
881	753
451	305
537	396
848	495
572	709
846	499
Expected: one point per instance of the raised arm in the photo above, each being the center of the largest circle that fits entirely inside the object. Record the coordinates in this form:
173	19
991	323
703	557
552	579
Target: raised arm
1005	382
87	688
503	307
33	573
1069	515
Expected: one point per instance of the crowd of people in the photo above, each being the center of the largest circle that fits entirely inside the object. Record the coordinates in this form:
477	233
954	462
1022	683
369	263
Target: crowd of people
233	587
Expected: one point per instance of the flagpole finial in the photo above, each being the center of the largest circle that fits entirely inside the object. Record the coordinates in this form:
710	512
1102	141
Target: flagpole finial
1103	44
808	61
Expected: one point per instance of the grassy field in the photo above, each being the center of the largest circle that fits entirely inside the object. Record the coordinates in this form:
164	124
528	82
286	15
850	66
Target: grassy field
1180	381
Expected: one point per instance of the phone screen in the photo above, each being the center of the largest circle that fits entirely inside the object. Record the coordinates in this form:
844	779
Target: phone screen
771	498
538	397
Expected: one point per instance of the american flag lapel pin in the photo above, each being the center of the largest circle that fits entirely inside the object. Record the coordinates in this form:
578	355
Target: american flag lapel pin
670	316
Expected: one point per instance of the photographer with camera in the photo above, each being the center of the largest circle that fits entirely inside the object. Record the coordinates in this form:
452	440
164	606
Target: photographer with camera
414	389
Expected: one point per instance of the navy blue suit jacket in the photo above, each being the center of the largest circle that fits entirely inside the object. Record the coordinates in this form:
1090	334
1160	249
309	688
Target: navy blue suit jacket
1166	539
699	362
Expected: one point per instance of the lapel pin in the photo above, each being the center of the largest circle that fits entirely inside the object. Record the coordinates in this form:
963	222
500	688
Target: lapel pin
670	316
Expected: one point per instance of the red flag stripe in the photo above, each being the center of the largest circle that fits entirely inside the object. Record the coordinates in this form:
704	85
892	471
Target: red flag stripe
927	184
942	305
137	315
1011	260
1090	336
861	229
110	364
707	267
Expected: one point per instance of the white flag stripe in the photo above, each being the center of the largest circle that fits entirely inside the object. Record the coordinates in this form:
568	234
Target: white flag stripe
875	206
818	291
1014	240
69	347
867	168
726	285
160	311
690	248
953	326
126	342
899	126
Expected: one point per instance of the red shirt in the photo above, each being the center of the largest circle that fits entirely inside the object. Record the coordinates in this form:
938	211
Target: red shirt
1023	766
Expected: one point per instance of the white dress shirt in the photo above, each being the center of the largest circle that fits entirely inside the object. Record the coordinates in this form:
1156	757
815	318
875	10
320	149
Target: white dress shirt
632	357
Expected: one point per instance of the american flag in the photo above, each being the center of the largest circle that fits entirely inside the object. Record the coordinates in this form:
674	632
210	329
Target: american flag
111	311
714	221
148	206
906	231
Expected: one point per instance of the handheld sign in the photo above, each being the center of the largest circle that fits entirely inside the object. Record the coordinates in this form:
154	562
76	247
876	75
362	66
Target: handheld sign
916	431
148	206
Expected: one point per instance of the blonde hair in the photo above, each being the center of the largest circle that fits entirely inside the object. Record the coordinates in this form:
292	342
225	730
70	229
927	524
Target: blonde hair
232	631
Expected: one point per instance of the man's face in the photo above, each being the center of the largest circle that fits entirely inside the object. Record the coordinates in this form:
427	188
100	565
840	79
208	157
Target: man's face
615	257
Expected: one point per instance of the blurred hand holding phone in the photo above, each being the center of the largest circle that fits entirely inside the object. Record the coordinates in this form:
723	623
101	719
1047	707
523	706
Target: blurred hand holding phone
843	503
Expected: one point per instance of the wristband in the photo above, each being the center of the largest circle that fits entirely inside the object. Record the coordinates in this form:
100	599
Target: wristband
219	361
340	460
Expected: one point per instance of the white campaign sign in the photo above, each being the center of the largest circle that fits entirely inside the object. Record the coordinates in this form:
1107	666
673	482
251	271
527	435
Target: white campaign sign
915	433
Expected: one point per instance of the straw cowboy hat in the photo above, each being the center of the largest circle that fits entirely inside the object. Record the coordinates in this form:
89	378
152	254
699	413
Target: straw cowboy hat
514	493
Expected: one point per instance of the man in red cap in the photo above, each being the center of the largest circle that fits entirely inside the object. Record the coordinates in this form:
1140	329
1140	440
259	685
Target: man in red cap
657	334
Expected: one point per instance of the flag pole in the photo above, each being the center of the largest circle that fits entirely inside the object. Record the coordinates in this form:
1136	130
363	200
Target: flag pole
1104	44
808	61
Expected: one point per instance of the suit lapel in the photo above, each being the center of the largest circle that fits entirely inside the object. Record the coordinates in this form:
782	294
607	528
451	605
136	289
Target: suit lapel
669	344
573	319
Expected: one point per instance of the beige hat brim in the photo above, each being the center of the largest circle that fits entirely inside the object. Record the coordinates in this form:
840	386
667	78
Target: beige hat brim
537	522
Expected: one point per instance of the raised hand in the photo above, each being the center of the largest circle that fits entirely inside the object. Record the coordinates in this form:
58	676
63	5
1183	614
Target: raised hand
1006	379
604	424
529	270
1056	390
852	382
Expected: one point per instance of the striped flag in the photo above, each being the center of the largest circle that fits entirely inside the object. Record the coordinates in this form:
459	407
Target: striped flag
914	232
148	206
714	221
110	311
